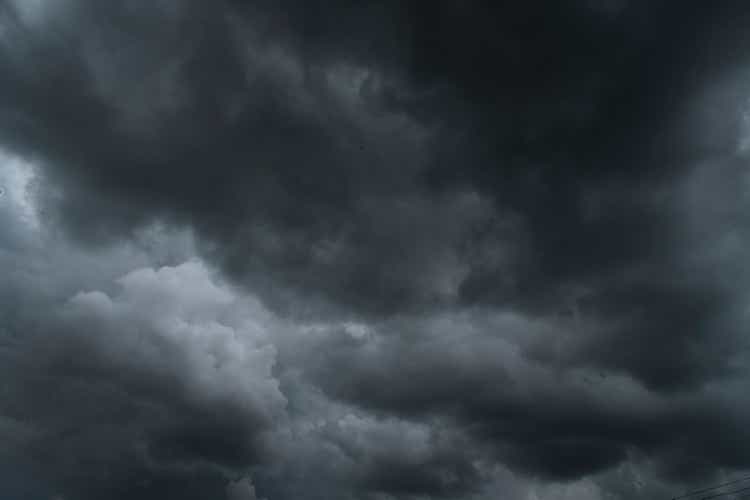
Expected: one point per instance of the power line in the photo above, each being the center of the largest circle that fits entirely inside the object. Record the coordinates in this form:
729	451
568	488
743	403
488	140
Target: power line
706	490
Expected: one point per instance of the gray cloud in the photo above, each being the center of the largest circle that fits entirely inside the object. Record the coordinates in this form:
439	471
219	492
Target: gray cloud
162	375
372	250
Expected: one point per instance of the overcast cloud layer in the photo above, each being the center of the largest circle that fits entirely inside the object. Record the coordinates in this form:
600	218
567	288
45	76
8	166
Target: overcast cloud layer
393	250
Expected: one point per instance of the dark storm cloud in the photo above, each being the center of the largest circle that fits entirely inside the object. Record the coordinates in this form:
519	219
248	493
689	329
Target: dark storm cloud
354	455
225	127
510	231
282	142
167	383
541	418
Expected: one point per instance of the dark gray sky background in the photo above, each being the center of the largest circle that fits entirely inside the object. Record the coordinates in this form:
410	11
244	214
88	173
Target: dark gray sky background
373	250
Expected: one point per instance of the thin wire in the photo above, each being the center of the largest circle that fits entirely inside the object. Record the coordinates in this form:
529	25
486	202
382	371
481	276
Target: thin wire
706	490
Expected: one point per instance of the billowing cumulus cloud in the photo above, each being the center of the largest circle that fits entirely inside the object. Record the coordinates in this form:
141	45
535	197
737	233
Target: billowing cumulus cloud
165	371
373	250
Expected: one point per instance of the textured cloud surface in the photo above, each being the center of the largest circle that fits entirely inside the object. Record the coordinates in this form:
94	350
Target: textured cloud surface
255	250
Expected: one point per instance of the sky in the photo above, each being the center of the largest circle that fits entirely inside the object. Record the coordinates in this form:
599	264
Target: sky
373	250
